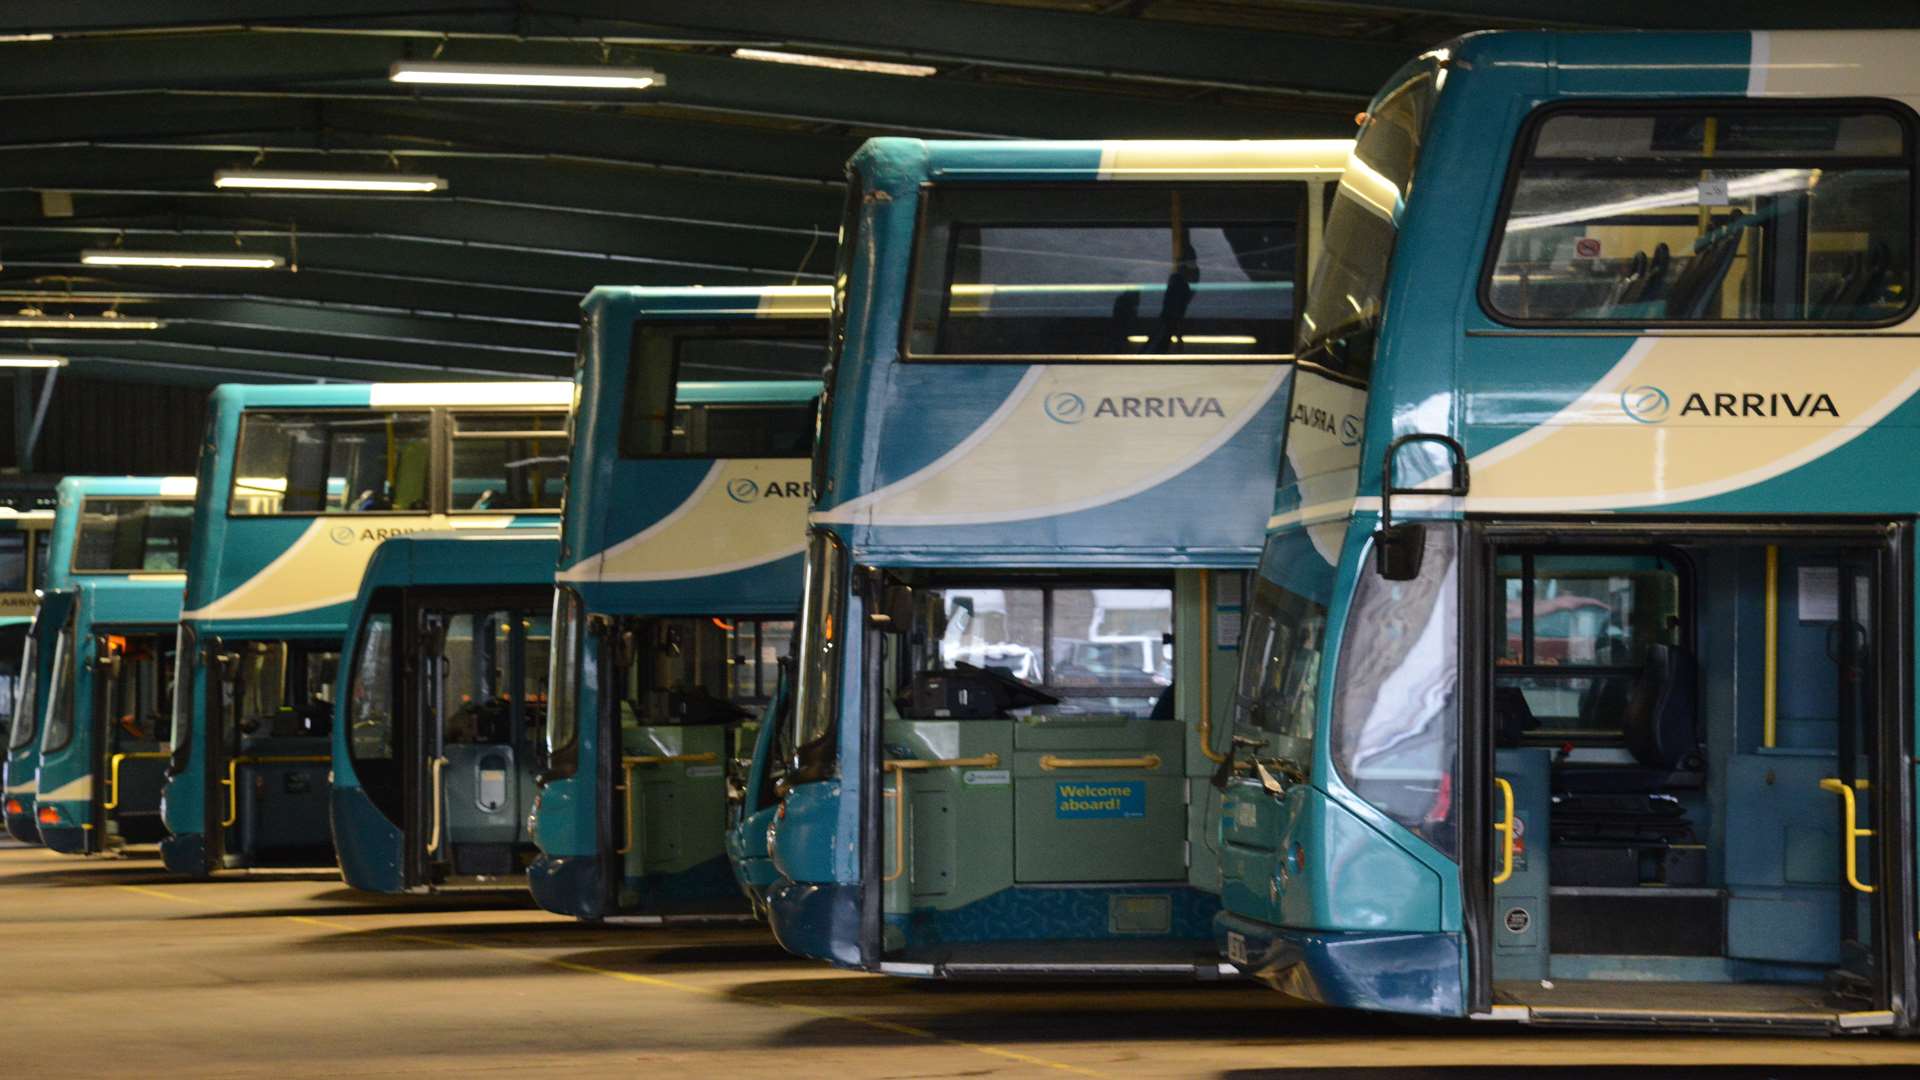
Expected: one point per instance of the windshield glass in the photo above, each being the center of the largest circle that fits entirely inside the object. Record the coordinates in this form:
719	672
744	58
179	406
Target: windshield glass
60	715
137	685
13	562
281	688
698	670
1089	650
564	657
132	535
490	660
1350	283
1797	213
1200	271
331	463
26	694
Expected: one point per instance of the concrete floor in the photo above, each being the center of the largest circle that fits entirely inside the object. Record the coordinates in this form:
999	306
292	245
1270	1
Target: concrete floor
111	968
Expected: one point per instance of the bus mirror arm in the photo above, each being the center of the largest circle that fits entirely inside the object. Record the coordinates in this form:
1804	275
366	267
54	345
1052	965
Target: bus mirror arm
1224	773
1397	549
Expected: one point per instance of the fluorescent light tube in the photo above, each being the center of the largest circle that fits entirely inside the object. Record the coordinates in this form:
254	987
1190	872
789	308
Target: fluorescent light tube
279	180
837	63
184	260
445	73
76	322
32	361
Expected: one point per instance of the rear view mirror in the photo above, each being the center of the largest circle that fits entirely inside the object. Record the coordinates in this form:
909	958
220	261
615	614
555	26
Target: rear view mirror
1397	550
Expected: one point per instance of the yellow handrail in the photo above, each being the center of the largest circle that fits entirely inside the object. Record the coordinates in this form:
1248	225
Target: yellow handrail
113	772
437	769
1050	762
1505	829
1854	832
233	775
630	762
899	767
1207	645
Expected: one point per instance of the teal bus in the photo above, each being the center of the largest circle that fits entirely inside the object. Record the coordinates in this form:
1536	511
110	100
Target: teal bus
297	487
58	555
440	709
679	580
1579	681
1053	407
107	712
24	544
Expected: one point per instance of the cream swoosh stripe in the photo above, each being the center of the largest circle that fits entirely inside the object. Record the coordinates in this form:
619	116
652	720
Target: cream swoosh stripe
1592	447
1094	462
79	789
28	788
316	572
711	532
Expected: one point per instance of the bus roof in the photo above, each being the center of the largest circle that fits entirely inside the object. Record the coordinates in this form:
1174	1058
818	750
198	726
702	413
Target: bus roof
700	302
392	395
523	556
1109	159
84	487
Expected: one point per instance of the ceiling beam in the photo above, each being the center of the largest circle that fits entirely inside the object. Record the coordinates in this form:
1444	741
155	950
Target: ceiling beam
355	66
1658	14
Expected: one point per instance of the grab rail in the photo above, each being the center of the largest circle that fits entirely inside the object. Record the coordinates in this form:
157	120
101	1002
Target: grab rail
233	775
437	770
1050	762
113	772
629	762
1854	832
899	767
1505	829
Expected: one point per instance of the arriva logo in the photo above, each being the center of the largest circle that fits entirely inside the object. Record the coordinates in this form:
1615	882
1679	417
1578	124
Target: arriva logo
743	490
347	534
343	534
1065	407
1645	404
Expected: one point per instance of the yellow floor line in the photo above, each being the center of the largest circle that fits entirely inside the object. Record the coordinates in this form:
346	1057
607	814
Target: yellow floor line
659	982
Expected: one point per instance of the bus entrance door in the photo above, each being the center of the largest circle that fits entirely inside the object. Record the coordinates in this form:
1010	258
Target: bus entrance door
1697	813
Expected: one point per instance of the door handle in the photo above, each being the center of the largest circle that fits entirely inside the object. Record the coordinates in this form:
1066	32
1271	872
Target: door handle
1505	829
1050	762
438	767
1855	833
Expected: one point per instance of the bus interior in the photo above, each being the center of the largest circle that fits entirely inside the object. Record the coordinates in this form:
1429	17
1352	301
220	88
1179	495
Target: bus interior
1045	802
691	694
462	782
134	686
275	712
1693	732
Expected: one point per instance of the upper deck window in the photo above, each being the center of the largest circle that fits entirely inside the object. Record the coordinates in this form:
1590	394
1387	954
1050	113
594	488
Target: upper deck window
1705	214
337	462
660	423
509	460
1341	320
1106	272
132	535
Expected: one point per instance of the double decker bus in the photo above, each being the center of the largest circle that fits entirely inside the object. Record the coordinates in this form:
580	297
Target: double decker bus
1579	680
679	582
1053	408
440	709
297	487
47	557
121	544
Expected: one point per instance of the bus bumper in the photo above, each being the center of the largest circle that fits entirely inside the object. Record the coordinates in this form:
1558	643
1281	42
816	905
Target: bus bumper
185	854
369	846
65	839
818	921
22	826
1416	973
568	885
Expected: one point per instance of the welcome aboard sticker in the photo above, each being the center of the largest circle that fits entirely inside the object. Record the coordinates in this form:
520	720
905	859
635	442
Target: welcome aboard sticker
1125	799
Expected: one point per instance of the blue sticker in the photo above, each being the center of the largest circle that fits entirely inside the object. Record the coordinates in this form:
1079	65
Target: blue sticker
1079	799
